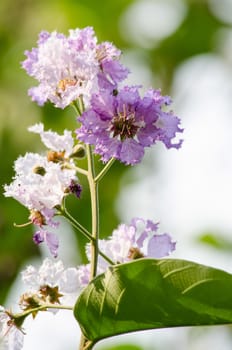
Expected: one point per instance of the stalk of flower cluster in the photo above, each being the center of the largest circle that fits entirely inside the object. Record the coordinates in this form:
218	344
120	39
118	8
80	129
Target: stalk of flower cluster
44	307
93	187
63	212
105	169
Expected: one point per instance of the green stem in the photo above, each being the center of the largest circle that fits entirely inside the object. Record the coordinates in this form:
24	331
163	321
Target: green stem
77	108
93	187
93	181
84	231
105	169
85	344
81	171
24	314
75	223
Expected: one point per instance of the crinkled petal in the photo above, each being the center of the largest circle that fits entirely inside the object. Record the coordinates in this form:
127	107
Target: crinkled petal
54	141
52	243
160	246
69	282
121	124
11	337
84	275
49	238
131	152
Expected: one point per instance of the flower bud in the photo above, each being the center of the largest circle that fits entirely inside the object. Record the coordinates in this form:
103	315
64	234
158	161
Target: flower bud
74	188
78	152
40	170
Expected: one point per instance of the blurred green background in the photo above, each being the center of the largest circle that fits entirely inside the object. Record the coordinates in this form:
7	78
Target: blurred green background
192	29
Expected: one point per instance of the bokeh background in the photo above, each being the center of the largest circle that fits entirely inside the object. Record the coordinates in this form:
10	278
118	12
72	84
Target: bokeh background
183	47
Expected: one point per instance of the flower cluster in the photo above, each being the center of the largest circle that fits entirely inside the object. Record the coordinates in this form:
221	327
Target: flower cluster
52	285
73	66
41	182
137	240
47	286
117	121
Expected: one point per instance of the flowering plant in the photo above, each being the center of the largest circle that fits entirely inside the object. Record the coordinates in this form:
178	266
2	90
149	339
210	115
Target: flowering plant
116	122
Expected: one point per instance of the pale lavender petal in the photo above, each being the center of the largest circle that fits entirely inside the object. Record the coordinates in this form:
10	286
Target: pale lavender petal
113	73
39	236
152	226
83	273
51	240
52	243
160	246
141	239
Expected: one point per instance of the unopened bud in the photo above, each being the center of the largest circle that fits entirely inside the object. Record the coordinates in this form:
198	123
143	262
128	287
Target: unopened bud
78	152
74	188
39	170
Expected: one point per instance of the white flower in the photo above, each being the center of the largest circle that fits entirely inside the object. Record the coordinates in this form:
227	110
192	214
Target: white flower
11	337
54	141
54	275
38	183
65	67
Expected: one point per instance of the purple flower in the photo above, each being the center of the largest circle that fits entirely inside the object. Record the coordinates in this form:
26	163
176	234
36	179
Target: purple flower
137	240
121	124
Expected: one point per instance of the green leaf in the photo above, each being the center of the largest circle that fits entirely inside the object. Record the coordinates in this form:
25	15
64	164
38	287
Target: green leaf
123	347
148	294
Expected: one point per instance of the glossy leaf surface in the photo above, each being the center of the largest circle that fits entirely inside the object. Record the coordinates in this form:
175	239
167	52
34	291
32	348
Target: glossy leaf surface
149	294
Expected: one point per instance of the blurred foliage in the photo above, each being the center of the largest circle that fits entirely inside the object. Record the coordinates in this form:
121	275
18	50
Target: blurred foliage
216	241
20	23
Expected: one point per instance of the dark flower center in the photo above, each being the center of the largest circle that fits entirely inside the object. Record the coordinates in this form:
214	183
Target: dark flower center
135	253
124	125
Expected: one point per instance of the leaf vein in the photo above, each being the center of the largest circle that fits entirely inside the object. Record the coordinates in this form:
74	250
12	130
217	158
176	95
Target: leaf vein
118	301
180	269
194	285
